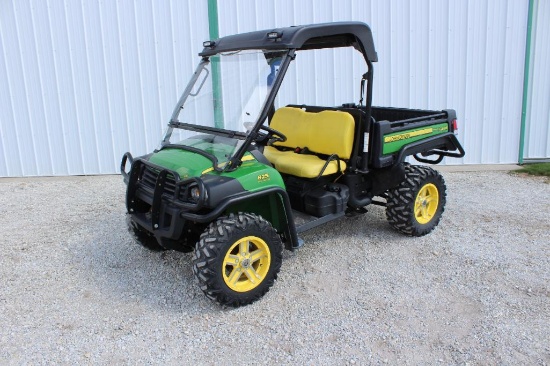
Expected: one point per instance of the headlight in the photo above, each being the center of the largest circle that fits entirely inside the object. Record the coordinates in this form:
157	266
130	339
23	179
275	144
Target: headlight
195	194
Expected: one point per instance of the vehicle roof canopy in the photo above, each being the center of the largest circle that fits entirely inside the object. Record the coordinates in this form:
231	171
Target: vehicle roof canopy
303	37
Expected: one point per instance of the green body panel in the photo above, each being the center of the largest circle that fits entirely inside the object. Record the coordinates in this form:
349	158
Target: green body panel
270	207
254	176
393	142
185	163
190	164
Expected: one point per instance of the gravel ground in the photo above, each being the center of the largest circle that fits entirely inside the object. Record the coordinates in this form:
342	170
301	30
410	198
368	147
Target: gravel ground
75	288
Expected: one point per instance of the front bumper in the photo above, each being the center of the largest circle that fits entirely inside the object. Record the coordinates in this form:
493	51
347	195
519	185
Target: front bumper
157	197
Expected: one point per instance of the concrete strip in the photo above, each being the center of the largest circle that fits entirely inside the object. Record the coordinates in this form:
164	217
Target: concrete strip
478	167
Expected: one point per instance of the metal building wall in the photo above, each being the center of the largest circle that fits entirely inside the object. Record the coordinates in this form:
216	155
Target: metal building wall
81	82
466	55
537	129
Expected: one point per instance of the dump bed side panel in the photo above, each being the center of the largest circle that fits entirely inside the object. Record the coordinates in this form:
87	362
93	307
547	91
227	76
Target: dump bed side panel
400	114
393	130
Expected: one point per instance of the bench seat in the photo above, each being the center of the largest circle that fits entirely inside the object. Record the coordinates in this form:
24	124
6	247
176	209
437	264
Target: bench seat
300	165
325	133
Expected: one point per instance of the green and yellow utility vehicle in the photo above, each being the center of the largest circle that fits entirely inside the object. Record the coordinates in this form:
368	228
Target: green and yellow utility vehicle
239	175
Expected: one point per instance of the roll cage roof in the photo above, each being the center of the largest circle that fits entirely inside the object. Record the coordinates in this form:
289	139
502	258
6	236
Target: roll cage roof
303	37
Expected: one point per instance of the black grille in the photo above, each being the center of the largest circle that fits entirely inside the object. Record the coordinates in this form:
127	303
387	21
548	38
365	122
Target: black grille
149	179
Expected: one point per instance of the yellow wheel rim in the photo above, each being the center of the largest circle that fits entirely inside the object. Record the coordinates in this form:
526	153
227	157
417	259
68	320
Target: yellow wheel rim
246	264
426	203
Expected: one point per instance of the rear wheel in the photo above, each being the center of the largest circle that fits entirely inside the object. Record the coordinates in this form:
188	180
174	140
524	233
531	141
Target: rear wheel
416	205
237	259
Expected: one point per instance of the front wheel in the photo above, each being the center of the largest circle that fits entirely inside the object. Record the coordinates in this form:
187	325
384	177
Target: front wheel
237	259
416	205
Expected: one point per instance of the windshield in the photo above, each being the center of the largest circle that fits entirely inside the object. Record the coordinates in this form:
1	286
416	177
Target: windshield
224	98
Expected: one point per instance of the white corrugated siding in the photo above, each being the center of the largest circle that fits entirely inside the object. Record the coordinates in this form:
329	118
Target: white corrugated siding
465	55
537	131
81	82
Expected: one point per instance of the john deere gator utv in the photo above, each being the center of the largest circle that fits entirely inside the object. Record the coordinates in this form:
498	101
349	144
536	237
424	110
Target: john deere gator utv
238	176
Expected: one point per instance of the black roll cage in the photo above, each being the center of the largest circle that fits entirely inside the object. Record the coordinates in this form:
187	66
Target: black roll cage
307	37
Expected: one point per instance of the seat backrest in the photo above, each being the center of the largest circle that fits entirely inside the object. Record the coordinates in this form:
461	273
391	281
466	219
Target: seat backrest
326	132
289	121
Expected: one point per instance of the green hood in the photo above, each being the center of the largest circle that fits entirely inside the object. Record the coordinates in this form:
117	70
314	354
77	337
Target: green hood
189	164
185	163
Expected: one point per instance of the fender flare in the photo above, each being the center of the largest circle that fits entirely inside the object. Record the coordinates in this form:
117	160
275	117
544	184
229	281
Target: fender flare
290	227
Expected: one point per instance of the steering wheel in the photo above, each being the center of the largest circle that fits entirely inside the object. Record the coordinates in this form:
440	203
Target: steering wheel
272	135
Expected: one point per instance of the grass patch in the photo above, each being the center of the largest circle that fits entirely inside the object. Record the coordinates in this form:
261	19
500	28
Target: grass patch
540	169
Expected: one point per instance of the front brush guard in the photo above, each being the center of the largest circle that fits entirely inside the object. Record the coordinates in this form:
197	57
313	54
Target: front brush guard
132	179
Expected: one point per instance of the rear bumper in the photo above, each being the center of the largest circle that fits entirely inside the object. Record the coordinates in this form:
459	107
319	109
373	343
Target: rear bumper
443	145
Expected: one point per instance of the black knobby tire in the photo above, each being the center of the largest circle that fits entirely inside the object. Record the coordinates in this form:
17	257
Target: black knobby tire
142	237
405	206
218	243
